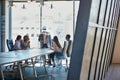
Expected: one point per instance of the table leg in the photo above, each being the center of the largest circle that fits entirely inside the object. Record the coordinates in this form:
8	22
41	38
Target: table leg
20	70
45	67
34	70
2	75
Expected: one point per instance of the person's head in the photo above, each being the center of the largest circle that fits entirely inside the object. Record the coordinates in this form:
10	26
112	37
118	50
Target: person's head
55	39
68	37
19	37
44	29
26	38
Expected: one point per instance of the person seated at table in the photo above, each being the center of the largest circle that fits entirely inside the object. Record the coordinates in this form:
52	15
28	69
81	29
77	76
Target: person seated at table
17	46
26	42
56	46
18	42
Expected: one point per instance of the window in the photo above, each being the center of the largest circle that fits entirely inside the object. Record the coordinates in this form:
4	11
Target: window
28	20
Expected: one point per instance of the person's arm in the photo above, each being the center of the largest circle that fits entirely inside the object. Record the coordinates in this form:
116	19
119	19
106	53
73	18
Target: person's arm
39	38
64	47
56	48
52	46
70	48
26	45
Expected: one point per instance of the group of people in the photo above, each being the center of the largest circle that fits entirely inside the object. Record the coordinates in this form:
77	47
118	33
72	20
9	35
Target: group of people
59	51
21	44
46	42
54	44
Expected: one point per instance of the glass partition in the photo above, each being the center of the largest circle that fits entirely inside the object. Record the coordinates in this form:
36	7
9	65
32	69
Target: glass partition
0	27
57	16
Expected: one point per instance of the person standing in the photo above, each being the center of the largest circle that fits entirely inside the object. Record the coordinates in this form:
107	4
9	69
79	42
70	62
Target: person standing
67	48
45	42
68	43
44	38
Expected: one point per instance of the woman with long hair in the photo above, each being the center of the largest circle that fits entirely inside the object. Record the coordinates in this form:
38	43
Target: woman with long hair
26	42
57	49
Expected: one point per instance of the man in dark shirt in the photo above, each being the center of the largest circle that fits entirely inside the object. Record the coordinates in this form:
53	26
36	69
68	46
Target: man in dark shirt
44	39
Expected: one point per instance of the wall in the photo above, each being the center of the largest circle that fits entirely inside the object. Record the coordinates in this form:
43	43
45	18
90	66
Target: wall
116	54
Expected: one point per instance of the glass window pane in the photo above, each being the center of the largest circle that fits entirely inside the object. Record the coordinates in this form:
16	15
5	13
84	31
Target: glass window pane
58	20
24	21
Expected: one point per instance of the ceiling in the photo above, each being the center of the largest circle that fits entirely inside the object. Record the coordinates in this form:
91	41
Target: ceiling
40	0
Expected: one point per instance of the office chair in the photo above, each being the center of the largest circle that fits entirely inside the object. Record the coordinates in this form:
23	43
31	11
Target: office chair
10	68
9	44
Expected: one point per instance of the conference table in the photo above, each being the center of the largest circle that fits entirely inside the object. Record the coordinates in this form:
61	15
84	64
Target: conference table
21	55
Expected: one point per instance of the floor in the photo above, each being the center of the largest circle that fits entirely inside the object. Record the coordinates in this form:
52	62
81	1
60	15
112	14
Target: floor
58	73
113	72
53	73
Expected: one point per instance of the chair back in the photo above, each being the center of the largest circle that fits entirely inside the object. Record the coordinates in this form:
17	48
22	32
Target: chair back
9	44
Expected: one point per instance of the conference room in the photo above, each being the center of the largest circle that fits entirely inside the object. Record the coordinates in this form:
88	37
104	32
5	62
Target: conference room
30	17
34	32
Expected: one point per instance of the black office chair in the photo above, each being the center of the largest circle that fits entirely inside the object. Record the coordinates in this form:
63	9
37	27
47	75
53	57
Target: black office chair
9	44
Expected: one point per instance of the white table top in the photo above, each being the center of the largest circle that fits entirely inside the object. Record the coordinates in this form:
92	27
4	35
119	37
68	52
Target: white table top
20	55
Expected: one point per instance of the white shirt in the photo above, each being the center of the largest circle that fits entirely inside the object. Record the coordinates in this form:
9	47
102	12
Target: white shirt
17	45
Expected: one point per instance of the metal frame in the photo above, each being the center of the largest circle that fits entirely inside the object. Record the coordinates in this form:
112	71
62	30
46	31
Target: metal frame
0	26
117	20
79	37
112	32
10	22
111	44
96	29
107	47
105	42
111	47
101	38
39	0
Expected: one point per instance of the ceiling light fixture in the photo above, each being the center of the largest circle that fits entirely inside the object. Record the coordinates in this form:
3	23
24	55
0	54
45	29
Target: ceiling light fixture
42	2
51	6
23	6
29	1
